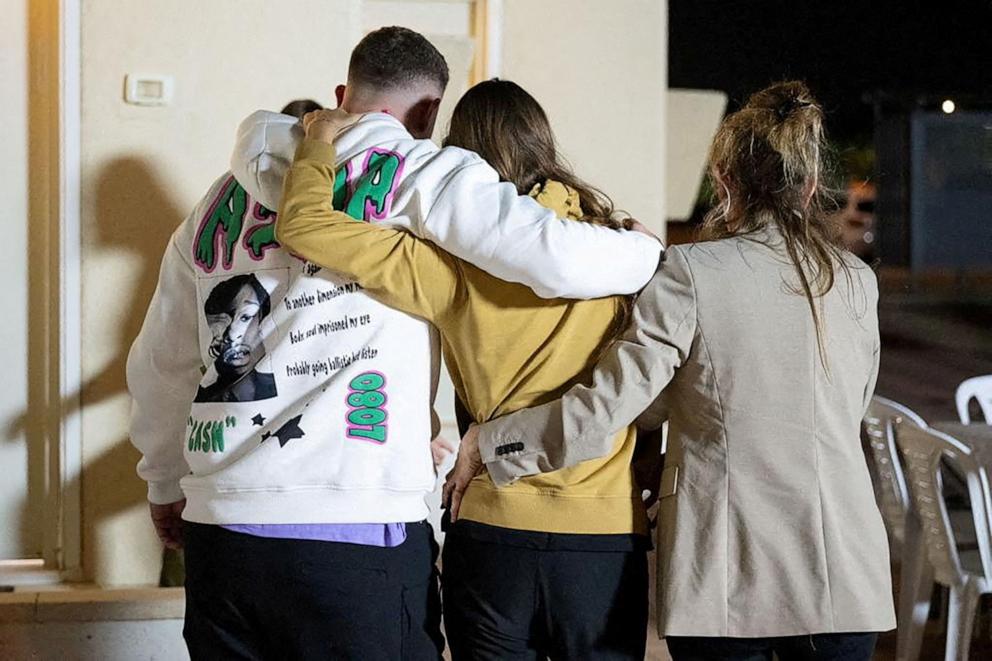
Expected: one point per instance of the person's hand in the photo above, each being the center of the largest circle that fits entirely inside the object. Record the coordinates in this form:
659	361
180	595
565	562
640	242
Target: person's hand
168	522
467	466
324	125
636	226
440	449
648	463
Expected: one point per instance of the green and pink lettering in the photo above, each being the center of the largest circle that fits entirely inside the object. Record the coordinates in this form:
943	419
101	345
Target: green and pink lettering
367	415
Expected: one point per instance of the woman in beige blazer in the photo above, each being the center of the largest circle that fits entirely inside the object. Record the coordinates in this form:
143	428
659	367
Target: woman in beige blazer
764	338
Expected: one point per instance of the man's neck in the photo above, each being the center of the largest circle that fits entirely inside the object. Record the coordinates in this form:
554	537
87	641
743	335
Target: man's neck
385	104
415	108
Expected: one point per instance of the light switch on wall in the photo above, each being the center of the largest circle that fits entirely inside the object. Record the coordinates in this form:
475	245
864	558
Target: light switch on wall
148	90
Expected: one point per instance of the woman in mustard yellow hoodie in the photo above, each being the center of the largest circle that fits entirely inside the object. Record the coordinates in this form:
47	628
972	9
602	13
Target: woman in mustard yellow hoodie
553	565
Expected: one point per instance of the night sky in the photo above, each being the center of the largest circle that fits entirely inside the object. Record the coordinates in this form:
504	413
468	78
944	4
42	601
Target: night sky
845	50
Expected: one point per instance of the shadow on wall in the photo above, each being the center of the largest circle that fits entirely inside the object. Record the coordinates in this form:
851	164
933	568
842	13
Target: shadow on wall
135	216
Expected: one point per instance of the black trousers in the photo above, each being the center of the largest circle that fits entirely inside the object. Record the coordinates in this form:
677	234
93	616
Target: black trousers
511	602
818	647
256	598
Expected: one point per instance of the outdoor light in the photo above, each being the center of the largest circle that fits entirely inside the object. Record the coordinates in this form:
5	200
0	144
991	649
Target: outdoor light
947	106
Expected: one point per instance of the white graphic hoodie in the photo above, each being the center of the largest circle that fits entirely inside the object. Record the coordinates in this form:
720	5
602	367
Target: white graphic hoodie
269	390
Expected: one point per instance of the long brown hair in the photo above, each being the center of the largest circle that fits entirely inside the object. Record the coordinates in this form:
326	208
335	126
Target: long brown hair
502	123
769	164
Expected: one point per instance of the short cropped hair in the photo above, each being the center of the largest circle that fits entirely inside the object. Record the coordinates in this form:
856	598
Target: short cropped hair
393	58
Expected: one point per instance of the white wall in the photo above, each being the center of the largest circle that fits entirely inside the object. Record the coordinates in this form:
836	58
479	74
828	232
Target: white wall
693	119
143	169
600	71
20	499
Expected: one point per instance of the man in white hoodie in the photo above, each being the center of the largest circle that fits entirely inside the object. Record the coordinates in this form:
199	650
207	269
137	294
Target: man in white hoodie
298	458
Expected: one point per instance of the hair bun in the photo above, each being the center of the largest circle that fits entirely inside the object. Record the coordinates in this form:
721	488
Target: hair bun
789	106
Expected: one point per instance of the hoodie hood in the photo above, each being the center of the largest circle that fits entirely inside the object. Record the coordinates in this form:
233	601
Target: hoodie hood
263	152
266	145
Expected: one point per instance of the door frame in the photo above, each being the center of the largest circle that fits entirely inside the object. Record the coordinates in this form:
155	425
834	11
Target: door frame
486	29
69	449
54	161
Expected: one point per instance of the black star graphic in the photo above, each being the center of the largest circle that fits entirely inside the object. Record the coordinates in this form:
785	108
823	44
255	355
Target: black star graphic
259	420
287	432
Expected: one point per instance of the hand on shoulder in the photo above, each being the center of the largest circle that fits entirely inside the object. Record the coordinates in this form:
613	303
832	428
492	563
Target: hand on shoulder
325	125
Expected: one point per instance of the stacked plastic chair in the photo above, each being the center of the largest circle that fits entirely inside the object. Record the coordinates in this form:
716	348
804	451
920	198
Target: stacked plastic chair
967	574
895	504
979	388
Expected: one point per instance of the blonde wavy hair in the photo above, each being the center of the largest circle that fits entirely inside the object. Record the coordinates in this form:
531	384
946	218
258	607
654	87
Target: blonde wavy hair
769	163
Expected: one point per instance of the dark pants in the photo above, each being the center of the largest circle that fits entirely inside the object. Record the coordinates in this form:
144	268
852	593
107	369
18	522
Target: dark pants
818	647
256	598
510	602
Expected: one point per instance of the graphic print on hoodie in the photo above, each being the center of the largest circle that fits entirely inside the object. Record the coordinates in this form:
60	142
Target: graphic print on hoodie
274	324
237	307
308	386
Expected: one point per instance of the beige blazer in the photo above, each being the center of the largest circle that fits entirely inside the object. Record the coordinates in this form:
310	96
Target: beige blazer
768	523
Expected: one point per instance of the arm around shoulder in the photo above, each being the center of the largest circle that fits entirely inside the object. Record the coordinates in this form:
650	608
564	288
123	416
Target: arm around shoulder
486	222
399	269
582	424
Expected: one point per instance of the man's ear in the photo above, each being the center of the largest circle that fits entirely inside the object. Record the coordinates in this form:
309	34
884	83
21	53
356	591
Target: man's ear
432	111
422	116
339	94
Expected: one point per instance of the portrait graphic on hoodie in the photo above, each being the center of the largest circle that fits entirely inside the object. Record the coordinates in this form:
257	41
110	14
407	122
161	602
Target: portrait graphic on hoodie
234	311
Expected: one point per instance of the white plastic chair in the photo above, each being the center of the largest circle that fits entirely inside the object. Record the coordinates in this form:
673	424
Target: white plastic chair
979	387
968	575
893	495
905	533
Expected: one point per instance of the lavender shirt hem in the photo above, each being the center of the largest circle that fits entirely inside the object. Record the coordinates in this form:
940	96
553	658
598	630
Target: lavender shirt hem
386	535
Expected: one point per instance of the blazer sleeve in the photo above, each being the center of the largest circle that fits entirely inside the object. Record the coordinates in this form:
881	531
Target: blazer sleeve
583	423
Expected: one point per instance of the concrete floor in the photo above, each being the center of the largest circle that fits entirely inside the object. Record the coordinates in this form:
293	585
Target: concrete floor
930	344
